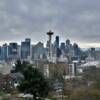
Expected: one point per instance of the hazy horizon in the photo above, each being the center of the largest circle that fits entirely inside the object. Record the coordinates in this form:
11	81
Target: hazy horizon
81	45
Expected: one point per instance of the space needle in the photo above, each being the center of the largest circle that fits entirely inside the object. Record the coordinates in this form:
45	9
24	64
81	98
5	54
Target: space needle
50	33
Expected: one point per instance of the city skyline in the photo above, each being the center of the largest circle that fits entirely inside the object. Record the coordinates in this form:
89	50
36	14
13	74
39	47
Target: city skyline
78	21
81	45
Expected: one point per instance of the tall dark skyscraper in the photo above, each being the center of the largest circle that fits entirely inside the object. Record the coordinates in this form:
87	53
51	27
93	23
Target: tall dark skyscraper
13	51
56	46
57	42
77	51
25	48
68	46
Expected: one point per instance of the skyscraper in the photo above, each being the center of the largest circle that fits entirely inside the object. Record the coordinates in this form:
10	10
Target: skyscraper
68	46
13	51
4	51
57	42
67	42
25	48
56	47
77	51
38	51
63	48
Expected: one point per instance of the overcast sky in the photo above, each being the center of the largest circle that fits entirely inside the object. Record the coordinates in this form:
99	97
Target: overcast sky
78	20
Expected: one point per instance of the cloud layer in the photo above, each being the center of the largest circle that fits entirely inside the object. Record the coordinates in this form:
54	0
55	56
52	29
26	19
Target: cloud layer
78	20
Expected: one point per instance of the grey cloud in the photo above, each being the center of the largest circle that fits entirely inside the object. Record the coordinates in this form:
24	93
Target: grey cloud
75	19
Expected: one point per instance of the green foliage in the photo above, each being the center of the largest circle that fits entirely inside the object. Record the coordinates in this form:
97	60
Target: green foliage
18	66
34	82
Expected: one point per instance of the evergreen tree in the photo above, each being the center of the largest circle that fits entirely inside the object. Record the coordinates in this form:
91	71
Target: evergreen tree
34	83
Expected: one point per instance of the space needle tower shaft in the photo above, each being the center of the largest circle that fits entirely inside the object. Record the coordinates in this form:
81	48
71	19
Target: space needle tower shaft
50	33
